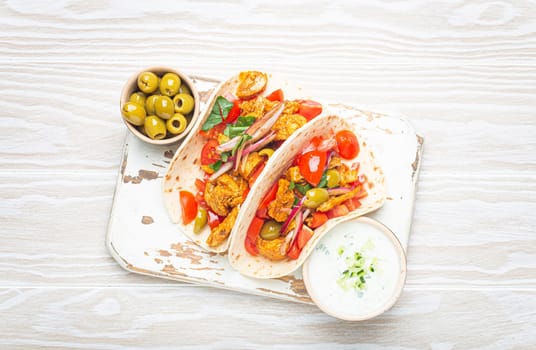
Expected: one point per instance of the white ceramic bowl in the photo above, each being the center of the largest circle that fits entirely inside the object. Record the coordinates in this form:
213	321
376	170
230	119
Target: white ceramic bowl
132	86
336	249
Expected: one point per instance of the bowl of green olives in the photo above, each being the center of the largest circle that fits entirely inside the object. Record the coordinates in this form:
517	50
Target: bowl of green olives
159	105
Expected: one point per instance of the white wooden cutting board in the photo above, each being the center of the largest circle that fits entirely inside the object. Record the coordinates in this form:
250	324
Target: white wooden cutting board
142	239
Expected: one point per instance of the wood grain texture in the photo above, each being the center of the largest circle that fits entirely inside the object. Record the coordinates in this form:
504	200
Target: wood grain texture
192	317
464	72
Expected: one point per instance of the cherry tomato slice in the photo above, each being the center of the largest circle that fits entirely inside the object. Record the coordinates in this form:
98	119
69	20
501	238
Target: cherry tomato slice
294	251
304	236
188	207
209	154
213	133
318	219
270	196
251	237
213	219
347	144
277	95
234	113
311	165
309	109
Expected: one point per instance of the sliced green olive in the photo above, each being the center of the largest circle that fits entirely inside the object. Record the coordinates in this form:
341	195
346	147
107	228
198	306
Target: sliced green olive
163	107
176	124
147	82
315	197
155	127
133	113
200	219
266	152
183	103
333	178
138	97
270	230
170	84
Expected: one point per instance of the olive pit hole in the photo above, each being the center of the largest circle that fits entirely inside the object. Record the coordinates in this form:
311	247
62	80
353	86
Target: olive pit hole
176	123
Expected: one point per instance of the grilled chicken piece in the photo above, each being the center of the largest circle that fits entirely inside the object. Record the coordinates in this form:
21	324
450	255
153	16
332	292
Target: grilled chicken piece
334	201
225	193
334	162
251	84
279	208
287	124
250	164
347	175
294	175
222	231
271	249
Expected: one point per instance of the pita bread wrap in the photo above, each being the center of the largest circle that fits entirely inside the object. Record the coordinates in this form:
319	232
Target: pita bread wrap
261	267
185	168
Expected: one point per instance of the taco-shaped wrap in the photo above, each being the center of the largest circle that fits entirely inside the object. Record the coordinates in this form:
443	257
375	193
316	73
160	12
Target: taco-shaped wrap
247	120
325	174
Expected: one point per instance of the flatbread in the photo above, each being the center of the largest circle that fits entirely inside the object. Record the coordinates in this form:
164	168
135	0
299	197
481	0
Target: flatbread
184	168
261	267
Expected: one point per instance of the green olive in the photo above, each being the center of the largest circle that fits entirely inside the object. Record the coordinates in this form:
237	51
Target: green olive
149	104
170	84
315	197
155	127
138	97
333	178
163	106
266	152
176	124
147	82
133	113
183	103
200	219
184	89
270	230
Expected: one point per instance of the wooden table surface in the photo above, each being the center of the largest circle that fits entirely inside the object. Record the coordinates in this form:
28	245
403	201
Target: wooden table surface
464	72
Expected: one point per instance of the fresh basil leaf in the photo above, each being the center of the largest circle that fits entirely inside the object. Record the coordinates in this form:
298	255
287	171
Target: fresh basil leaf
233	131
291	185
215	166
225	156
303	188
219	113
245	121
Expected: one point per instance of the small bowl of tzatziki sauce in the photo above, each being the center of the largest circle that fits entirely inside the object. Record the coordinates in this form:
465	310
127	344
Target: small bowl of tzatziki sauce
357	271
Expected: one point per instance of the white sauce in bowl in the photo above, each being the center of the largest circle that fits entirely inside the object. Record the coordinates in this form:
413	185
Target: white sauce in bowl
356	271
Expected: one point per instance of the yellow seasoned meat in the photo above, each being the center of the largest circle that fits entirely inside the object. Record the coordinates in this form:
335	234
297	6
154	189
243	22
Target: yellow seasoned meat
250	164
347	175
271	249
222	231
253	107
251	83
287	124
256	107
334	201
291	107
225	193
294	175
280	207
334	162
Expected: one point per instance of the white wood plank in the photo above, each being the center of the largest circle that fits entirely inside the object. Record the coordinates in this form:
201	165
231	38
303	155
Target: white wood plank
193	317
350	31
